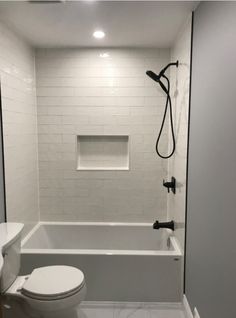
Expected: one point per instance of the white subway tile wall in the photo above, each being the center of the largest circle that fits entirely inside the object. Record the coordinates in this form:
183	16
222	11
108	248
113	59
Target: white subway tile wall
180	96
79	92
17	71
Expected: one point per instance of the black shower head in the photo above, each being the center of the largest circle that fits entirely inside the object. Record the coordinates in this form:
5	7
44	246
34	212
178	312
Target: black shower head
153	76
157	78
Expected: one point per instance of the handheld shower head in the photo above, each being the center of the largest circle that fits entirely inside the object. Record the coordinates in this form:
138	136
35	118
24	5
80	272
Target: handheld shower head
153	76
157	78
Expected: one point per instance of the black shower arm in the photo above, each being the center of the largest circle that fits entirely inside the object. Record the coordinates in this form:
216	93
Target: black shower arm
162	72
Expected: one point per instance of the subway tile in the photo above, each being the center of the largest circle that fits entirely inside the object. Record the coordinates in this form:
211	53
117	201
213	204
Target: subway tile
116	91
81	94
19	128
50	138
49	119
55	91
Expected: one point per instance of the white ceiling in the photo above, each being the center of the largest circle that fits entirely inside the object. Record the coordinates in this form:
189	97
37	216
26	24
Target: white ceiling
70	24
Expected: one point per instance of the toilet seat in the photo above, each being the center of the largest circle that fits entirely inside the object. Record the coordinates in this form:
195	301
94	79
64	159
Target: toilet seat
53	283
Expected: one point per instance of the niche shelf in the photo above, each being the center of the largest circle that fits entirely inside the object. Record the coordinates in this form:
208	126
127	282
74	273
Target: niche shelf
103	152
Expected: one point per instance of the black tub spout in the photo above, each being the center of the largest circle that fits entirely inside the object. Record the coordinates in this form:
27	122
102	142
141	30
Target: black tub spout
164	225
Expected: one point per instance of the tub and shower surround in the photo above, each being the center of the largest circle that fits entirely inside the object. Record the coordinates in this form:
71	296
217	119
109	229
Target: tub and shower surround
80	96
100	92
121	261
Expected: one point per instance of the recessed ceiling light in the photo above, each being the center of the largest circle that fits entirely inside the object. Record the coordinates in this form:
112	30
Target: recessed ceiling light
99	34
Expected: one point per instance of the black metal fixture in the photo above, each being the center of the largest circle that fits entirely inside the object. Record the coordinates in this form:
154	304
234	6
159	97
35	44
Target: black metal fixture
170	185
166	88
164	225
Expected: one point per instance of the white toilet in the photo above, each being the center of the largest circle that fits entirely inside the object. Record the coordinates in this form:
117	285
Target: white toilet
47	290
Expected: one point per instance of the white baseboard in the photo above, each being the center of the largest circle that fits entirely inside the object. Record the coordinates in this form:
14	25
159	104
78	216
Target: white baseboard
196	313
187	309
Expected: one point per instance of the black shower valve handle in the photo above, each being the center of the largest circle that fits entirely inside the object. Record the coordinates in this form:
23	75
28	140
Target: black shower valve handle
167	185
170	185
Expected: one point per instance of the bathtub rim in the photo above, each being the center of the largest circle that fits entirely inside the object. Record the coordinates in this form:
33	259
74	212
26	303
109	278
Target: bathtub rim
176	252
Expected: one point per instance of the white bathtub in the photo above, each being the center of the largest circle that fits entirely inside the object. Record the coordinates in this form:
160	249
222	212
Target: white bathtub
121	261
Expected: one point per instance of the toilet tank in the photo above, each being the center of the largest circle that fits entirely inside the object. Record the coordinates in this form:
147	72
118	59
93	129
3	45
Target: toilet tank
10	244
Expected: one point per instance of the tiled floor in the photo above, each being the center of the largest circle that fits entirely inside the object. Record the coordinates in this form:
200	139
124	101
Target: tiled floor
130	310
109	310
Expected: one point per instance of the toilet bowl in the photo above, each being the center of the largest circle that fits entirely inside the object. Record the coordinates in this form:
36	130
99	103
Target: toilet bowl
51	288
48	289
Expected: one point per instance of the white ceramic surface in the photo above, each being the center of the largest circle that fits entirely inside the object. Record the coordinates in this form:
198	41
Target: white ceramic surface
121	262
53	282
10	240
100	238
9	232
40	306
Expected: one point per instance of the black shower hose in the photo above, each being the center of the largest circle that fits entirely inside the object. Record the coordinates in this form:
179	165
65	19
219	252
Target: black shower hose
168	103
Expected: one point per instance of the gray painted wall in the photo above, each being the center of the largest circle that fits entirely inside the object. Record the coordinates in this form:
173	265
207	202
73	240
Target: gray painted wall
211	248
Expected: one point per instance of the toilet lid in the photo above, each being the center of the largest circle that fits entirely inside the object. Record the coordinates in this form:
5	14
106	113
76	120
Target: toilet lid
53	282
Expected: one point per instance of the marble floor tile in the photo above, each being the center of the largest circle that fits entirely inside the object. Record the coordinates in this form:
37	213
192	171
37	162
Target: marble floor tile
111	310
132	310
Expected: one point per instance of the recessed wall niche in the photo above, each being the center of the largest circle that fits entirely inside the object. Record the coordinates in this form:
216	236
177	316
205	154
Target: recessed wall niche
103	152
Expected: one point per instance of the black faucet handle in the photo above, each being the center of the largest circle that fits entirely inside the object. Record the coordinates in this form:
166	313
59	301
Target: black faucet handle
170	185
167	185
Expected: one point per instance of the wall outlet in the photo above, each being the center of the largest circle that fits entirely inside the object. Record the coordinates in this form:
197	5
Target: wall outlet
195	313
